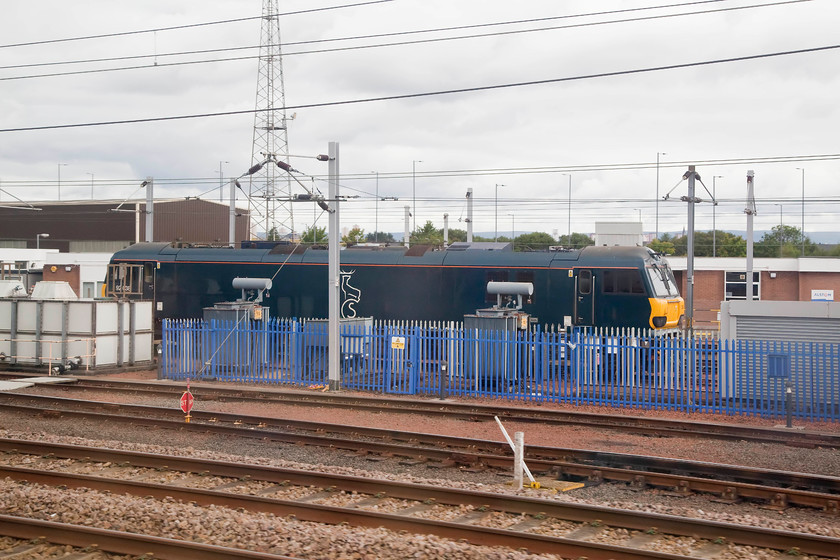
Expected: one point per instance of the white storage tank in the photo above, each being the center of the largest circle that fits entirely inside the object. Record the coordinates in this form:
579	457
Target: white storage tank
89	333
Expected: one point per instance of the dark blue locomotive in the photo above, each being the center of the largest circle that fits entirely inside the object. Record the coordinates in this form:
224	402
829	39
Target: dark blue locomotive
595	286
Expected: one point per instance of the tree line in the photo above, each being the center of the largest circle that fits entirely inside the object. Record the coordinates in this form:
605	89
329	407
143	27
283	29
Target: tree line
781	241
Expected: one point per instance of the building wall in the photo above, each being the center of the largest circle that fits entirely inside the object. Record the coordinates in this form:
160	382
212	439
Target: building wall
195	221
784	287
64	273
818	281
709	291
94	227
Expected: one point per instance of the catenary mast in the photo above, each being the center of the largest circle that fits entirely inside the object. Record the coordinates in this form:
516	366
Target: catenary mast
269	189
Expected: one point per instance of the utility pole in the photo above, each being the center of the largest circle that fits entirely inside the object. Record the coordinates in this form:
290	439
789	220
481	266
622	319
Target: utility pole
750	211
407	233
414	190
445	229
692	176
469	215
714	205
803	209
232	215
657	192
333	266
221	181
150	210
60	165
496	213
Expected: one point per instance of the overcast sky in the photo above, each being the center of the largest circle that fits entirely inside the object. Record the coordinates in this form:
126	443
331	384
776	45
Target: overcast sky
602	131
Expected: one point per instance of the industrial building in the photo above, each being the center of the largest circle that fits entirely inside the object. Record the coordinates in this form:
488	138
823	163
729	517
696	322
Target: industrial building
94	226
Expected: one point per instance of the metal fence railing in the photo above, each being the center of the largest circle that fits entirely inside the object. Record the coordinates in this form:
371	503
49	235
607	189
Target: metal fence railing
613	367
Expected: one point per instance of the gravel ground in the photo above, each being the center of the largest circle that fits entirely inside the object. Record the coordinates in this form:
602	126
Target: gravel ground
347	543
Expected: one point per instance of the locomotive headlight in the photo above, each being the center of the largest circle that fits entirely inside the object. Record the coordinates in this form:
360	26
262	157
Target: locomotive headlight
659	321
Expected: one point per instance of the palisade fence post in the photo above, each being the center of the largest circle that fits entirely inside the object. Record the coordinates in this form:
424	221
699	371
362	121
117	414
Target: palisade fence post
789	403
444	369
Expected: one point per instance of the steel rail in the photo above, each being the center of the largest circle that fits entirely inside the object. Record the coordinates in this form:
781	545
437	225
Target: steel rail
635	520
647	464
459	451
117	542
477	412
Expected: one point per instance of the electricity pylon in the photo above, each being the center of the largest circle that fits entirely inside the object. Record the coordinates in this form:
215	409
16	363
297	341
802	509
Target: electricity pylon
269	190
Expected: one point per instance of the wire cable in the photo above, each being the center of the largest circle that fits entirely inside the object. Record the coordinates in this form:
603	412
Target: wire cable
435	93
186	26
155	64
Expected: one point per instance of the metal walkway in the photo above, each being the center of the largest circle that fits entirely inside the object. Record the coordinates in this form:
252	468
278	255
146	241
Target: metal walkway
24	382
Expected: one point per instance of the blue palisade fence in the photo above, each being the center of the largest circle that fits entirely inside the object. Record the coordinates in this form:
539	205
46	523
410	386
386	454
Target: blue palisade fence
611	367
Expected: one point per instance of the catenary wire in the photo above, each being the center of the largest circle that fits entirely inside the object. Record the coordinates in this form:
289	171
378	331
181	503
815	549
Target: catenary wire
438	92
186	26
358	37
155	64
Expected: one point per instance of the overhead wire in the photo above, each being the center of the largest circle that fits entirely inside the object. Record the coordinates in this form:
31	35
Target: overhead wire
453	173
287	53
474	89
186	26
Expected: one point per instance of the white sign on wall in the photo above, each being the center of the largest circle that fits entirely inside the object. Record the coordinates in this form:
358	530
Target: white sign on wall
822	295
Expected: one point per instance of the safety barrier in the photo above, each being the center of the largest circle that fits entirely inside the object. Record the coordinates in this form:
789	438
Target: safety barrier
612	367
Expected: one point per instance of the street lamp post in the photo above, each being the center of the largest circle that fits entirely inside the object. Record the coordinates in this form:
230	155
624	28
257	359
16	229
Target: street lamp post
781	230
38	237
802	233
570	210
496	213
376	212
221	180
512	231
657	191
414	192
91	185
60	165
714	204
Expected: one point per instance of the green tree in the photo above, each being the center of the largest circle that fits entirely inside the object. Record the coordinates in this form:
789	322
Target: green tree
536	241
355	235
575	241
273	235
784	241
380	237
314	234
427	235
707	244
663	245
456	235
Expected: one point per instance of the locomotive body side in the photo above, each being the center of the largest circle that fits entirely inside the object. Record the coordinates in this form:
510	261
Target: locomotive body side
600	286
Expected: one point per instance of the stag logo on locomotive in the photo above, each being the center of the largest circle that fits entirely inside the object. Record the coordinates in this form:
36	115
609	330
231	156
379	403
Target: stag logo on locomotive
350	295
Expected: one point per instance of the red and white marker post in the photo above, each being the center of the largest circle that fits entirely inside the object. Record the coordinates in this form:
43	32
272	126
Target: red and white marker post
187	402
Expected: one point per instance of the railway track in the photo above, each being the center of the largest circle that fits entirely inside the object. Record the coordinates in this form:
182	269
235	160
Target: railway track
512	521
779	489
37	538
471	412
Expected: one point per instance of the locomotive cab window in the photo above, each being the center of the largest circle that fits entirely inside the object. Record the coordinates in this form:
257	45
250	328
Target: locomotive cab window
622	282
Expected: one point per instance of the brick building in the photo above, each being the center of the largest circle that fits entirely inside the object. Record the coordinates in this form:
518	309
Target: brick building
725	279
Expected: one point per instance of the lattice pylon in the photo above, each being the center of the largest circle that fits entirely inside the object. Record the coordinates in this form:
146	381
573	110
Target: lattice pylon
270	188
